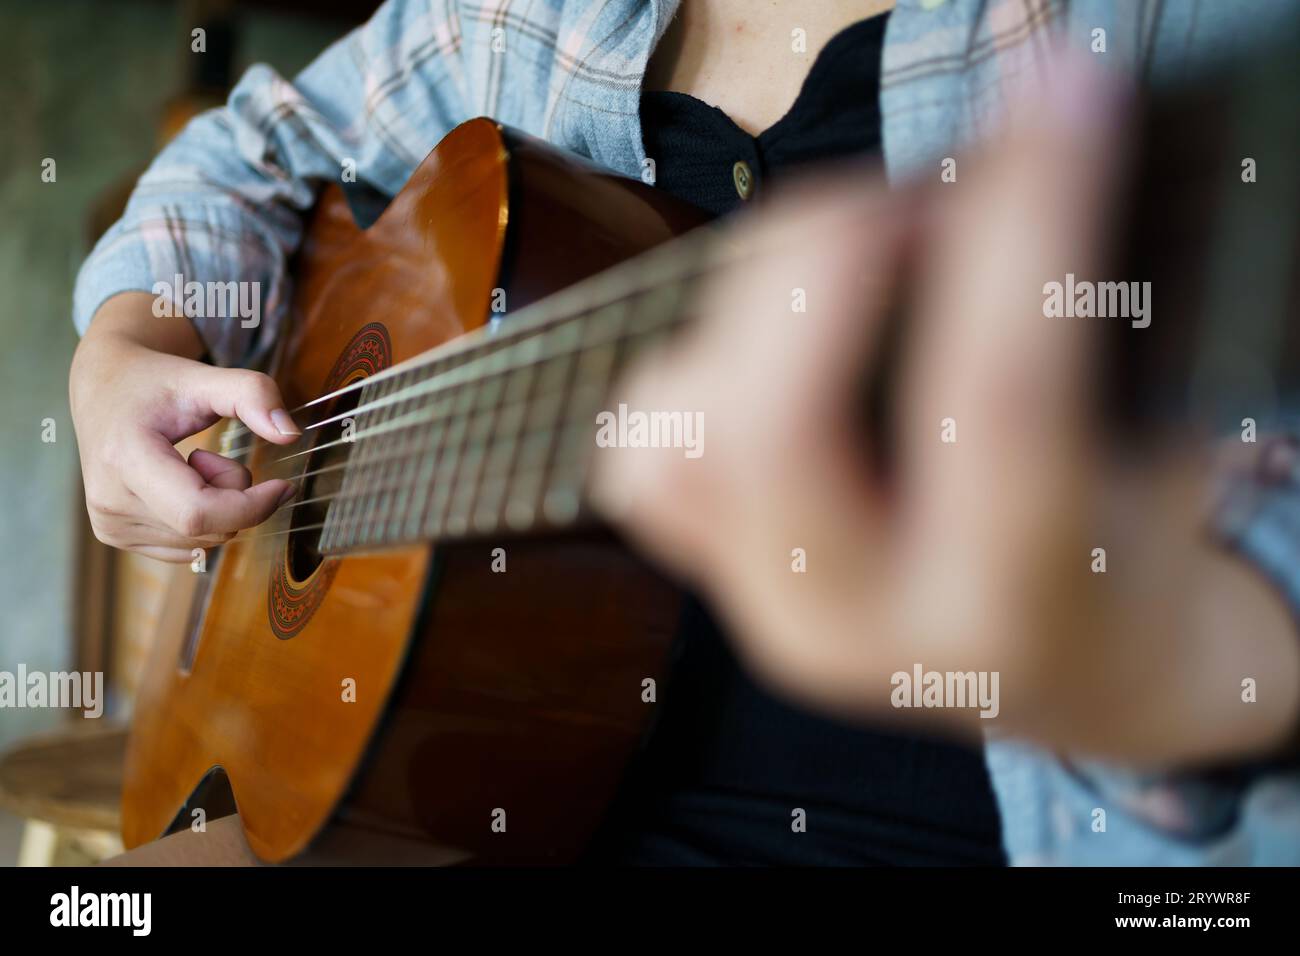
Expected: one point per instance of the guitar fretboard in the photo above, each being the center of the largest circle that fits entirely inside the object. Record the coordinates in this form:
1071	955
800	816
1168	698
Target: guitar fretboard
495	437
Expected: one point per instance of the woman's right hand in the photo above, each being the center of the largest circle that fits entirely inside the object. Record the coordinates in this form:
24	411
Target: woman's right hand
135	389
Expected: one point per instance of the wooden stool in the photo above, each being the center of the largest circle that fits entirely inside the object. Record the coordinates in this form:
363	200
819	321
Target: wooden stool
68	786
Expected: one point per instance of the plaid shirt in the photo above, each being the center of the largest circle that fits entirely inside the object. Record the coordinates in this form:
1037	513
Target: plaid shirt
225	201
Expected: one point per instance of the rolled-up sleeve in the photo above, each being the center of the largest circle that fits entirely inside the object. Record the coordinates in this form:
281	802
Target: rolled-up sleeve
1059	814
224	201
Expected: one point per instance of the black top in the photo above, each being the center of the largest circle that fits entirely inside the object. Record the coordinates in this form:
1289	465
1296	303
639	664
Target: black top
728	764
696	146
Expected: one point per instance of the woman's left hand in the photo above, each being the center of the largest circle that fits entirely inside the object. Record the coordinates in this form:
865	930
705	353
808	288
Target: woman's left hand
981	554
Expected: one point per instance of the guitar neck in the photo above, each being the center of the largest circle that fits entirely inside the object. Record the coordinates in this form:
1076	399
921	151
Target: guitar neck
496	432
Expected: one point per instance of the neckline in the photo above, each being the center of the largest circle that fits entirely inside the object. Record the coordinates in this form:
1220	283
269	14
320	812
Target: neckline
842	42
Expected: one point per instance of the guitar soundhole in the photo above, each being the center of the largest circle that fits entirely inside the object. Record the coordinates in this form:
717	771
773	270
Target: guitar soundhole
321	483
302	576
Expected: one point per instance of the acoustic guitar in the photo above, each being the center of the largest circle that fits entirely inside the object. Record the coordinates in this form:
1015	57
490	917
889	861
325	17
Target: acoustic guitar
431	643
425	644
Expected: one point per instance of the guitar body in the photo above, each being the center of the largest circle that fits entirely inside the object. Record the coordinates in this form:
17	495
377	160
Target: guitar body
416	692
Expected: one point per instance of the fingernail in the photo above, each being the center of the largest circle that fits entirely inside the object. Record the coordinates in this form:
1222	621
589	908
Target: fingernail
287	496
283	423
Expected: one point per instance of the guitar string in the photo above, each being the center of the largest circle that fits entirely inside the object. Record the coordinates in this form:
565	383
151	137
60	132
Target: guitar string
484	446
360	464
420	416
699	251
447	408
534	348
377	522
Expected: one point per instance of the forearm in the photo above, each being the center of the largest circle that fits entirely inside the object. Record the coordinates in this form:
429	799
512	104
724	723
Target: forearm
1241	694
1179	653
1144	663
224	201
1196	664
129	316
125	328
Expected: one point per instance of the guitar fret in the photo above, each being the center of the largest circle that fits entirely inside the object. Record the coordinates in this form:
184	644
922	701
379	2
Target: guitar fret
574	443
577	440
419	459
385	446
357	522
445	476
478	434
502	433
439	409
534	453
490	510
341	511
398	443
402	499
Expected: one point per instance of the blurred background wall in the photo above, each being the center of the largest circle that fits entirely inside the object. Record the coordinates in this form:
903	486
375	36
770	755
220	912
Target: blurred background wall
88	83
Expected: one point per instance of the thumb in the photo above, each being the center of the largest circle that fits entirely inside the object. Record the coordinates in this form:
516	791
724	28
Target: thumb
252	397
